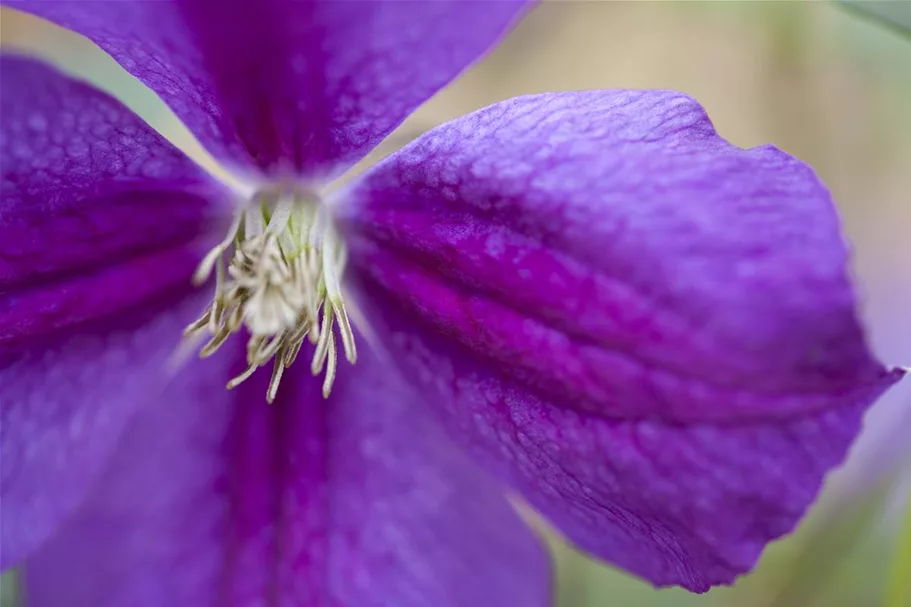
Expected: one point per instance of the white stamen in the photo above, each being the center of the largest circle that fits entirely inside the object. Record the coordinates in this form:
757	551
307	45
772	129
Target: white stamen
330	367
217	308
242	377
205	266
322	343
282	283
280	216
277	369
344	329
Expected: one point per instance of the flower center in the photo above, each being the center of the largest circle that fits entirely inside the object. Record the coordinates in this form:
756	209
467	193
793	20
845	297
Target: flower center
284	261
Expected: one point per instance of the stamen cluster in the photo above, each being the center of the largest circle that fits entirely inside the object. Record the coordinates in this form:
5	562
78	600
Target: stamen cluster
282	284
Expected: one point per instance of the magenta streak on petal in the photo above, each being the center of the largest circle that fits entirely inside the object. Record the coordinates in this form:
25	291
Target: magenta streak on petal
216	499
360	501
610	252
38	314
59	230
275	482
289	85
569	366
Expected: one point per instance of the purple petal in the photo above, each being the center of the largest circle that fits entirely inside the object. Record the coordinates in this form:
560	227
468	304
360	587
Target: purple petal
617	230
302	86
63	407
91	199
647	330
357	501
99	217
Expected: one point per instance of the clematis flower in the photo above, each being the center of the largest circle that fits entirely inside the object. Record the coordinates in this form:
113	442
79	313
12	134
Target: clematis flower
588	300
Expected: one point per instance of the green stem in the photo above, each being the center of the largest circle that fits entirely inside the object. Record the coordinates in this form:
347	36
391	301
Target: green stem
898	593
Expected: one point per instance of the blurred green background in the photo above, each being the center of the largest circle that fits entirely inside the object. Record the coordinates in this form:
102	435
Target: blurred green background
816	80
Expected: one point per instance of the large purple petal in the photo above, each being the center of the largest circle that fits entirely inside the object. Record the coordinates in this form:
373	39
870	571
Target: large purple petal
647	330
357	501
98	221
91	199
291	85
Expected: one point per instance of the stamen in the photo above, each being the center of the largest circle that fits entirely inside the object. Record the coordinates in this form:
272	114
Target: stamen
217	308
242	377
322	343
268	350
291	353
199	323
344	329
280	217
277	369
282	284
254	217
205	266
215	343
330	368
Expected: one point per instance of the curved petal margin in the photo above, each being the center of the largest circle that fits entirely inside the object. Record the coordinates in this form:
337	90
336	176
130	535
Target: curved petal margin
301	86
648	331
358	501
611	252
100	218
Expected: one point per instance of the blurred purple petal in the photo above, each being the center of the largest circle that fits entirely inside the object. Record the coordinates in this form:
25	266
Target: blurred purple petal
288	85
98	215
357	501
63	406
646	330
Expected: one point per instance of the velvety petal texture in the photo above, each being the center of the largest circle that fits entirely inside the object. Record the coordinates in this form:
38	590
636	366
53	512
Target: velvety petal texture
647	330
92	199
217	499
100	219
307	86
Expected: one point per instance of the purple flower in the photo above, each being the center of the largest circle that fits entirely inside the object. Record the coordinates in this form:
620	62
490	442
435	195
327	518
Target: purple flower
588	298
